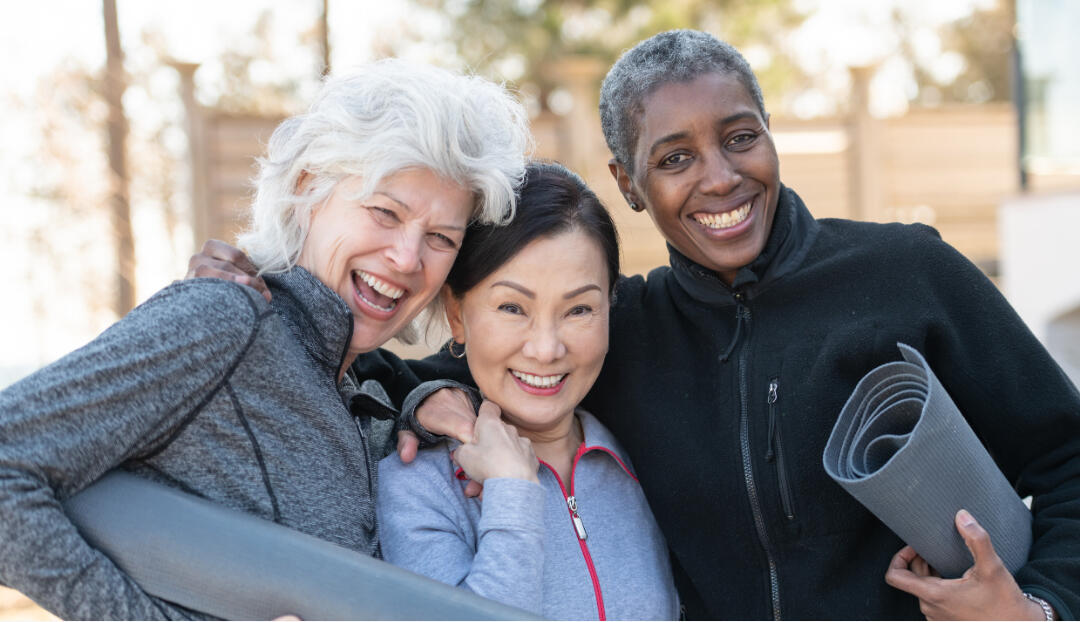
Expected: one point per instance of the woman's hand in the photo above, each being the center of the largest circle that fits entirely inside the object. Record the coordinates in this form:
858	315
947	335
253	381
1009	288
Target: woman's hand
496	450
987	591
446	412
219	260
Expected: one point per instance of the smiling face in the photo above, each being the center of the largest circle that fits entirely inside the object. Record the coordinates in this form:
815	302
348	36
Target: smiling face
536	330
386	255
706	170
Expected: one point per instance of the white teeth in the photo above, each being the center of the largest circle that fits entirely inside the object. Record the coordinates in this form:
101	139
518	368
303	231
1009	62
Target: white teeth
381	286
724	220
540	382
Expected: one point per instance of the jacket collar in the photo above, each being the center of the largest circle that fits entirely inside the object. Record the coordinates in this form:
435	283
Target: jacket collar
597	437
318	318
793	232
323	324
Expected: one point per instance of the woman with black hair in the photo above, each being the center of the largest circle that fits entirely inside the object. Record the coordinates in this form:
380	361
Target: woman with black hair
571	537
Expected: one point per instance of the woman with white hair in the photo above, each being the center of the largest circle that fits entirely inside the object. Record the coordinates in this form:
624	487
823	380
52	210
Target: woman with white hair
362	203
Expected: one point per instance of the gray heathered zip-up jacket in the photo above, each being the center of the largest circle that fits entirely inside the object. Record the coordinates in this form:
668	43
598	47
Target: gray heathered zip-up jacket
205	387
520	545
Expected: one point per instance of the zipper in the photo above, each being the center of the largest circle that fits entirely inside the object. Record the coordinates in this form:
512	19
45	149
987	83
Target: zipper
742	312
579	529
356	419
776	451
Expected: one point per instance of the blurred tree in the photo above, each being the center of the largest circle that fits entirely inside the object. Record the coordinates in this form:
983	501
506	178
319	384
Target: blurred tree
518	40
117	129
985	40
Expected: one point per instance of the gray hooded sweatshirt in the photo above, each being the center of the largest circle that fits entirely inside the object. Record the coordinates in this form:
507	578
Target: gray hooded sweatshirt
205	387
522	545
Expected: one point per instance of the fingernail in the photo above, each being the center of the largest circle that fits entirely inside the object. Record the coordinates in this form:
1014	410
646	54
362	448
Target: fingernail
966	519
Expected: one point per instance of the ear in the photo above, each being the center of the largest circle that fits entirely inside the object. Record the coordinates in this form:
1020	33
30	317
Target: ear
302	182
453	314
622	178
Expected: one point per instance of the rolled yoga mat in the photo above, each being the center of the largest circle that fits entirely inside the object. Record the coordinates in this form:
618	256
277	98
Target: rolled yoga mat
236	566
903	450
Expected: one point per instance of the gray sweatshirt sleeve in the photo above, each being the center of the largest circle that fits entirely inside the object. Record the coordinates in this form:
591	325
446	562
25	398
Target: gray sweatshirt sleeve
116	398
425	527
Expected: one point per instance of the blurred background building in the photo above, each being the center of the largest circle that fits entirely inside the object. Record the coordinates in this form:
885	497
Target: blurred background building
130	129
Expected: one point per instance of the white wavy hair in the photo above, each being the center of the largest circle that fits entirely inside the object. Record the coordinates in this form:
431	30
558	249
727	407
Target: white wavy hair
382	118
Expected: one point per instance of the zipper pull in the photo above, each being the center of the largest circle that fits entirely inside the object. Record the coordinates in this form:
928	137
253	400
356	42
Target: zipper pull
571	503
771	454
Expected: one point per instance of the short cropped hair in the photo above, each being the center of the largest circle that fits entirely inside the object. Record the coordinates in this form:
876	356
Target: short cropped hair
551	201
672	56
385	117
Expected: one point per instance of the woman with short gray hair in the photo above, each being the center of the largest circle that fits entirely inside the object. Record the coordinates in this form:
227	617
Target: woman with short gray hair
727	369
362	203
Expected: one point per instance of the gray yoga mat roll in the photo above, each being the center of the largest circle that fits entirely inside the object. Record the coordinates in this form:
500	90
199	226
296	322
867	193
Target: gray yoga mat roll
903	450
236	566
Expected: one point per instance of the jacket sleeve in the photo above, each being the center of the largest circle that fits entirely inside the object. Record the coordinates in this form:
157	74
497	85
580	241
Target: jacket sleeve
399	377
1021	405
119	397
424	528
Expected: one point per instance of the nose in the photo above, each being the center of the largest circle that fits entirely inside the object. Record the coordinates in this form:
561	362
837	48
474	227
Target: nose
544	344
404	252
720	175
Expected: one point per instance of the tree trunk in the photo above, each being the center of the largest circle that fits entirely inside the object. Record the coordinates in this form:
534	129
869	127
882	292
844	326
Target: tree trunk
115	83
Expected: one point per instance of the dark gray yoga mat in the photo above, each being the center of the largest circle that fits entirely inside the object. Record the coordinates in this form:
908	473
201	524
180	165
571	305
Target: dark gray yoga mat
903	450
236	566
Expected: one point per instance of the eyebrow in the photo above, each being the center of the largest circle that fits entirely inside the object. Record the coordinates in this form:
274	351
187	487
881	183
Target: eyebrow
581	290
405	206
531	295
670	138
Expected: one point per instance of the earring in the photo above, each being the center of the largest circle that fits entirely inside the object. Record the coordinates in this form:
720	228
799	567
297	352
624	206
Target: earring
637	208
450	346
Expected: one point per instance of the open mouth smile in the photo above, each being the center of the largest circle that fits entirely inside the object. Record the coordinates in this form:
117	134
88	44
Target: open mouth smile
375	292
724	220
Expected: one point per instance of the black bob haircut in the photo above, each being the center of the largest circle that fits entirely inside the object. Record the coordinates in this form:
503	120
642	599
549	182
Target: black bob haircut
552	200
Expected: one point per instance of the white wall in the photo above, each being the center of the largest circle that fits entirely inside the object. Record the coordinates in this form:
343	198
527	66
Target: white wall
1040	268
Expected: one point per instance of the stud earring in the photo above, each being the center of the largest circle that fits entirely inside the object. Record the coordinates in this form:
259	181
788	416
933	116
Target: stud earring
637	208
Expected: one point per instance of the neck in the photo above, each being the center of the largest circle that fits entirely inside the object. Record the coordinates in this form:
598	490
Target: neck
350	356
557	445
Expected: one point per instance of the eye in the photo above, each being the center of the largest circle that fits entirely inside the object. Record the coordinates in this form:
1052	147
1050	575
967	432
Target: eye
442	242
383	216
511	308
580	310
675	159
742	140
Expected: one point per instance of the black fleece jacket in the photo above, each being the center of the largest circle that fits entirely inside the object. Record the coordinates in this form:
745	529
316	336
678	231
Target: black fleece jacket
724	398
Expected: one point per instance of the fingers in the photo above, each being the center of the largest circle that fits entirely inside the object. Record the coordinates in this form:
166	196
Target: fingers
901	575
407	446
448	412
221	251
218	260
978	542
474	489
489	411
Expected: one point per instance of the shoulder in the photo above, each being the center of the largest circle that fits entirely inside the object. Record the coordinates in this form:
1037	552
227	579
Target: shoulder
218	315
917	245
215	299
631	292
432	471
